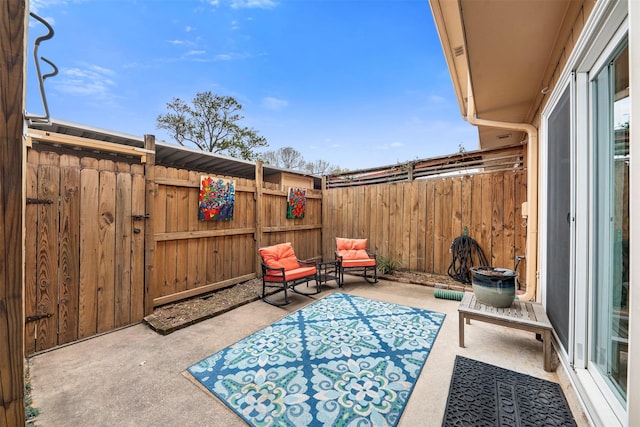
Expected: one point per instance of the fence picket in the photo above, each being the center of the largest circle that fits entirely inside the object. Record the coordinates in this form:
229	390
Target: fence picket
106	246
31	248
47	254
69	243
89	241
137	242
123	231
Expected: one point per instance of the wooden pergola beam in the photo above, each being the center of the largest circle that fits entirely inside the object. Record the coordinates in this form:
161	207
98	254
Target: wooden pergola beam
13	19
91	144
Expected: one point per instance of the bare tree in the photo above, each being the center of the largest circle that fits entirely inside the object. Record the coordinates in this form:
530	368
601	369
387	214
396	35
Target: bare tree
319	167
211	124
285	157
291	158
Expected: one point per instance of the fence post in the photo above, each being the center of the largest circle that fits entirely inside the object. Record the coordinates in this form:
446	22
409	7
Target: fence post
258	236
149	234
12	202
324	235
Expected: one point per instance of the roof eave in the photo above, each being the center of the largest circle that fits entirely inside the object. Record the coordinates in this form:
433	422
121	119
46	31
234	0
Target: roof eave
448	21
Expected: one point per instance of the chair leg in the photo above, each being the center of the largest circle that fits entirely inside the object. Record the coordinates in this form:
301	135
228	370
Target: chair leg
375	275
315	277
265	299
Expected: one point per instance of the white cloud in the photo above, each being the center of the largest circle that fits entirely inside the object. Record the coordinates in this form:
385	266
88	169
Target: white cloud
252	4
331	144
188	29
230	56
223	57
393	145
36	5
196	52
91	80
176	42
274	104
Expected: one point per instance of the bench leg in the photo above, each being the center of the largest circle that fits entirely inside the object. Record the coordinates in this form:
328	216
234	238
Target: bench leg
546	350
461	329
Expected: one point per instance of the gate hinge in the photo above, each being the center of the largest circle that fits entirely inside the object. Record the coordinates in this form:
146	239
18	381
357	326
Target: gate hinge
140	217
37	317
39	201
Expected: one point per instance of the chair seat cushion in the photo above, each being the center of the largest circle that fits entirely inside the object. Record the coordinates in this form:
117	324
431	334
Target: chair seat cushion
367	262
280	256
289	275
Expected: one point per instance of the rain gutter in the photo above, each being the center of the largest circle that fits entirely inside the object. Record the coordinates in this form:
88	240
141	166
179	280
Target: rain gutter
530	211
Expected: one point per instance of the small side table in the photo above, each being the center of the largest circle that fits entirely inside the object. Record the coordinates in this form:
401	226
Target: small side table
327	271
523	315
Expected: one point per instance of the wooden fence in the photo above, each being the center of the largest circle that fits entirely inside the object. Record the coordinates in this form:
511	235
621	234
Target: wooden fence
83	261
416	222
192	256
95	227
108	239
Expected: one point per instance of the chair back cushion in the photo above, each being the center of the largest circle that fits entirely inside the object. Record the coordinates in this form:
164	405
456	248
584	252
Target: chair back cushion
352	248
280	256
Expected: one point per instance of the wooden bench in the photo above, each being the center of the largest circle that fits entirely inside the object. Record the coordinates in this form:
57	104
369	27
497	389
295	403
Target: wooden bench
524	315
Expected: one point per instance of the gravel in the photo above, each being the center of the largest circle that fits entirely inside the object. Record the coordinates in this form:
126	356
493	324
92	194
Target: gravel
171	317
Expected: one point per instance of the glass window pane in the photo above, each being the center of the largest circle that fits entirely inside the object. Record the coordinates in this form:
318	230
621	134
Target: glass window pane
611	214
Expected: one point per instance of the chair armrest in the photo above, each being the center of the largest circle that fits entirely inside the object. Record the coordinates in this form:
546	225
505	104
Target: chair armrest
272	270
307	263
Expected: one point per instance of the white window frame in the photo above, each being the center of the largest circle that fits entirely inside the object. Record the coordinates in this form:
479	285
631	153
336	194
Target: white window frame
612	33
605	28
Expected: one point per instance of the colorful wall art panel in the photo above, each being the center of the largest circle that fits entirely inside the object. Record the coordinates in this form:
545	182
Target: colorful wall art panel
217	196
296	203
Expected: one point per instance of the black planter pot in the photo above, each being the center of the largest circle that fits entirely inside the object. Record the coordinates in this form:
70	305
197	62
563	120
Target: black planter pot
494	286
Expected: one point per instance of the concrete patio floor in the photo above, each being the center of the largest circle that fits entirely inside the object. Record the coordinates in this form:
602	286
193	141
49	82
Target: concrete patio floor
133	376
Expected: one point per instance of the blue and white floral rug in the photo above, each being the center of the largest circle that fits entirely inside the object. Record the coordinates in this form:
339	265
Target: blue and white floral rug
341	361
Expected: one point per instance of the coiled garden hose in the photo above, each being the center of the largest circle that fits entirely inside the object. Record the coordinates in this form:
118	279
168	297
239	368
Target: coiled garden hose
447	294
463	251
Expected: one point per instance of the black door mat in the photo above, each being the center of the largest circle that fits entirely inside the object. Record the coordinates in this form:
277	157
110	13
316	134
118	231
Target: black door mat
485	395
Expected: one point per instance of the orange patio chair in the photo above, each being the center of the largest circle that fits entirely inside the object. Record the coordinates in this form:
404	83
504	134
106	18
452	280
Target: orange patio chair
282	269
353	255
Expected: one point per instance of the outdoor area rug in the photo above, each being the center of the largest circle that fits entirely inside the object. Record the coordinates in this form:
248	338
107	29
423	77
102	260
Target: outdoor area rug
487	395
341	361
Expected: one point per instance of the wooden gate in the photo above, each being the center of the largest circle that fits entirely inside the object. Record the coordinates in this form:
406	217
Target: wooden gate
84	225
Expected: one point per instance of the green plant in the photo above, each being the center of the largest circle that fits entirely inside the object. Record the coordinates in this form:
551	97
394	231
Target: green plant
30	412
388	264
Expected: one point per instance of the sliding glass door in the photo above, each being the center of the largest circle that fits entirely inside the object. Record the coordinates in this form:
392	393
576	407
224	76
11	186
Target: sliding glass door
610	270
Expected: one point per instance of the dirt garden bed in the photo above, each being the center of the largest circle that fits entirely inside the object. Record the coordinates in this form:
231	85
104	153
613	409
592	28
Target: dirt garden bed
172	317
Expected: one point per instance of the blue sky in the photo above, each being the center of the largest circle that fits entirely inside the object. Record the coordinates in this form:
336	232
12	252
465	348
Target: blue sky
358	83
